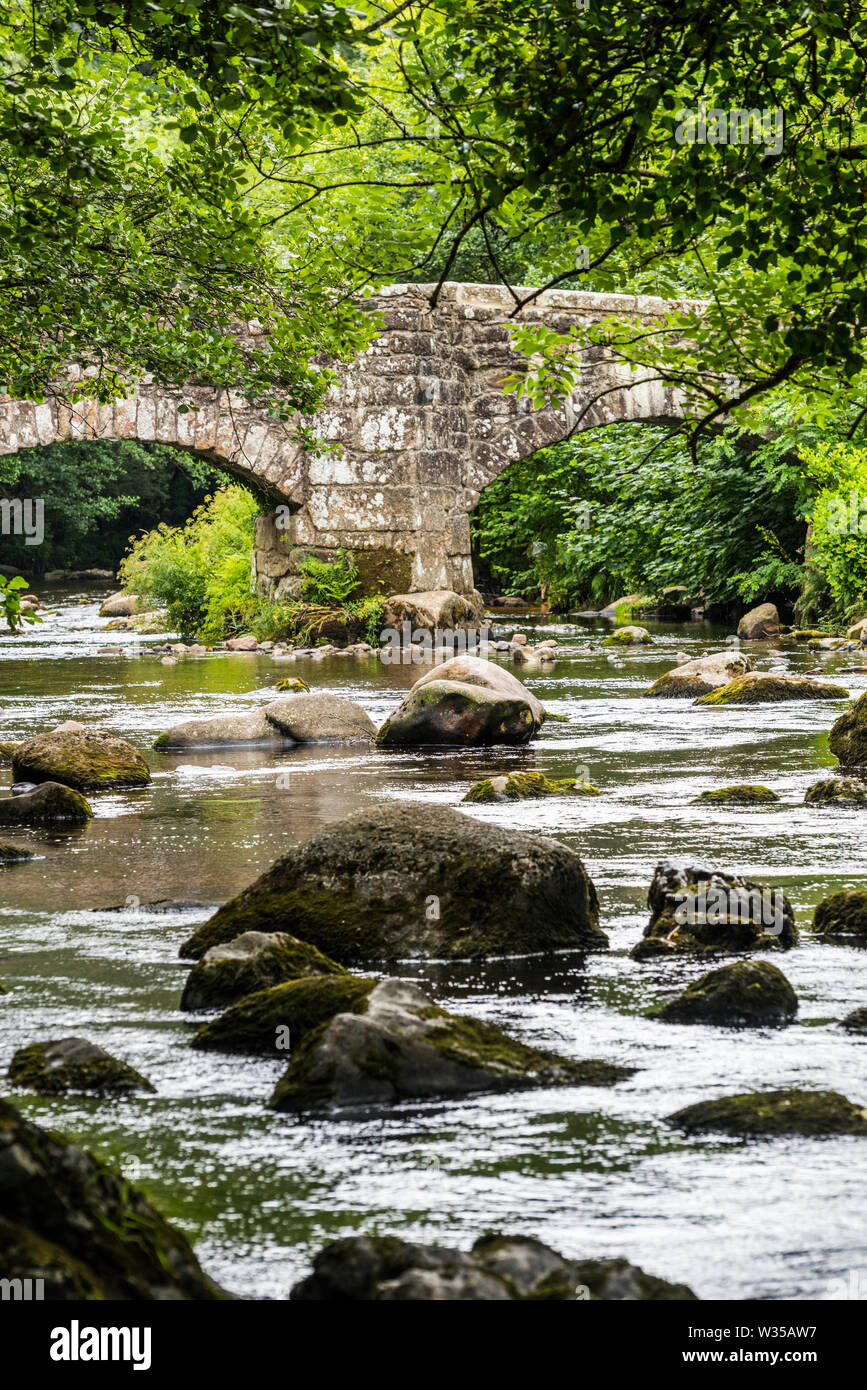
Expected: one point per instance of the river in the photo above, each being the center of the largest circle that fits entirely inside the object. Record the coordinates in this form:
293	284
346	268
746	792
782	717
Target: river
593	1172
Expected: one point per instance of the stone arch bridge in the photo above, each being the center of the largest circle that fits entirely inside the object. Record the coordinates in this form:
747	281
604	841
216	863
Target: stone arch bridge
421	422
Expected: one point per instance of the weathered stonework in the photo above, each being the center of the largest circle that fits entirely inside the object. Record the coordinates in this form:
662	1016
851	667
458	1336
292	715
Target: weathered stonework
420	419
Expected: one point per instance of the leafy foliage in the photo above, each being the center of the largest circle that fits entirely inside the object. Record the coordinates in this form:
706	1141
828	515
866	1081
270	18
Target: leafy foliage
11	592
328	582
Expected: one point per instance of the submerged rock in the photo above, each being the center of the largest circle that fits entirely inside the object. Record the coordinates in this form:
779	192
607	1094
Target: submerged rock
404	880
745	993
68	1219
14	854
856	1022
699	677
759	688
843	914
73	1064
762	1114
848	737
48	804
467	701
499	1268
252	962
760	624
219	729
702	911
836	791
741	794
526	786
397	1045
276	1019
627	637
85	761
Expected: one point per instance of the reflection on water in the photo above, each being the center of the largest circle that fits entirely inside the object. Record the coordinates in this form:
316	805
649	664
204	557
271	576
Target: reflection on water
594	1172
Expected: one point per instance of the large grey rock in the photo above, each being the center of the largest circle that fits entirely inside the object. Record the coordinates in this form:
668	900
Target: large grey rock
396	1045
848	737
409	880
73	1064
498	1269
701	676
760	624
435	608
318	717
120	605
220	729
467	701
743	994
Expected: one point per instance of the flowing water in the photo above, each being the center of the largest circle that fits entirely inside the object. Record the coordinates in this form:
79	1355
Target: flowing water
594	1172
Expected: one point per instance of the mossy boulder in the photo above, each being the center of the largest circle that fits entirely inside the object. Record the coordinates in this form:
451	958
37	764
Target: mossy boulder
87	761
48	804
292	683
68	1219
441	609
407	880
275	1019
848	737
766	1114
499	1268
73	1064
397	1046
14	854
627	637
760	624
466	701
836	791
744	994
741	794
120	605
526	786
856	1022
7	752
843	914
241	729
254	961
759	688
698	910
701	676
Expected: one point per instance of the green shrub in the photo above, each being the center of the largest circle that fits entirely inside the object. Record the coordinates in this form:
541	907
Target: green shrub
330	583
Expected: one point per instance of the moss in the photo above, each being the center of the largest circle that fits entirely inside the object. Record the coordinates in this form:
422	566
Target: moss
94	1234
48	804
627	637
300	1005
703	914
522	786
13	854
744	993
474	1043
808	634
293	683
741	794
216	983
57	1068
836	791
7	752
161	741
755	688
848	737
769	1113
383	571
856	1022
842	914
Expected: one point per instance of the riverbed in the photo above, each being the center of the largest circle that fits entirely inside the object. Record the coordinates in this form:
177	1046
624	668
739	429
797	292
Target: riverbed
594	1172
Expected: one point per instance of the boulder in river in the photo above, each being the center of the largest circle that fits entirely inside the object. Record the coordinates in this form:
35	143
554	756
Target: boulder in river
7	752
856	1021
237	728
48	804
848	737
120	605
292	684
410	880
14	854
73	1064
498	1269
467	701
836	791
697	910
701	676
627	637
843	915
278	1018
762	688
741	794
526	786
747	993
760	624
433	609
69	1220
320	718
765	1114
396	1045
254	961
87	762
